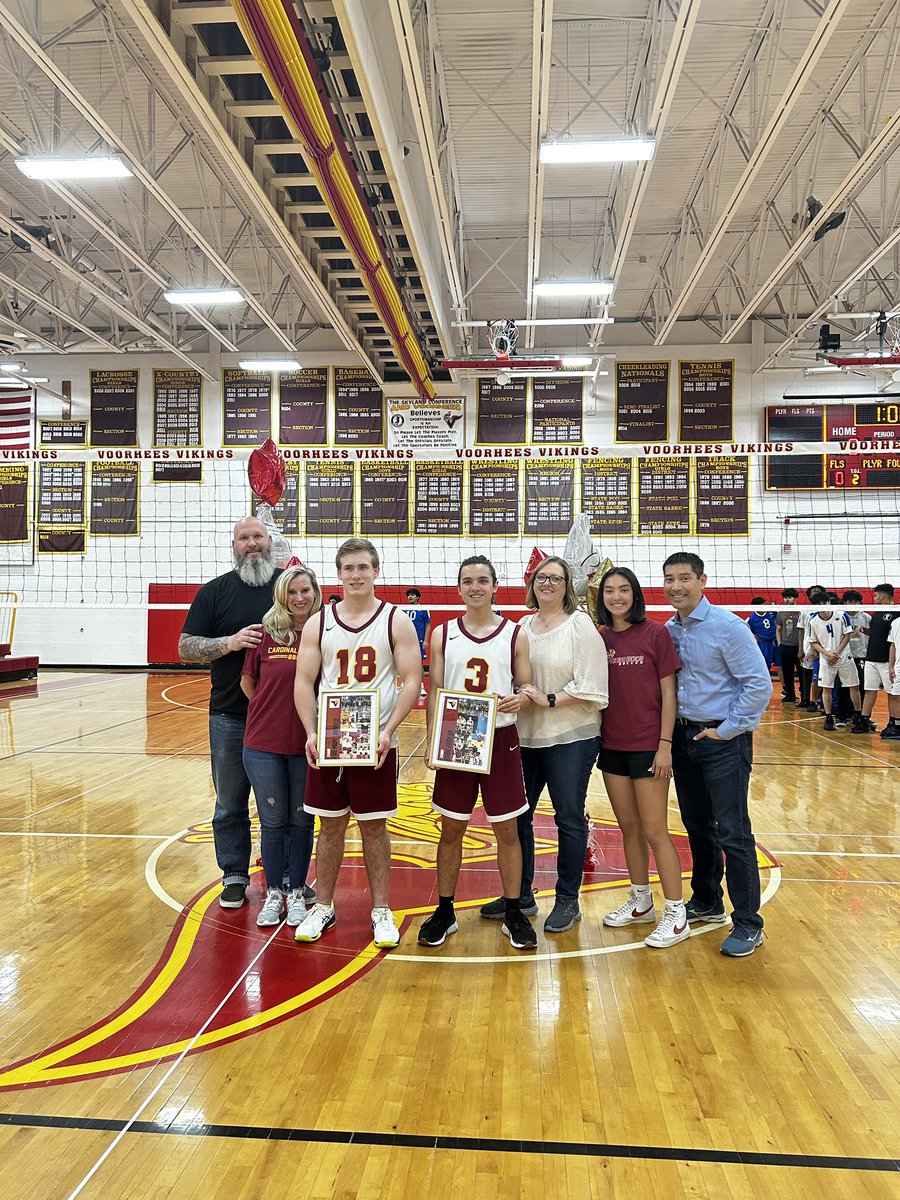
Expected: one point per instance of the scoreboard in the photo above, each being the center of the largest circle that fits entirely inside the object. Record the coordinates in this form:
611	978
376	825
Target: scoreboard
868	420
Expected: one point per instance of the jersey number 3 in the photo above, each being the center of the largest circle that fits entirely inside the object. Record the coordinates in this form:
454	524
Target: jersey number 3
365	663
477	672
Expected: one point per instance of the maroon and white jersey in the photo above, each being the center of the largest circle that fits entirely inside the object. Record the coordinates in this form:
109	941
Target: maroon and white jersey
481	664
360	659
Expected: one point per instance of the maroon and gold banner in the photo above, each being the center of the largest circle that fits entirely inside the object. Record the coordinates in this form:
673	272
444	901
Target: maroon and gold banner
606	494
500	419
114	408
115	493
723	495
493	498
302	411
14	482
64	433
286	512
384	498
664	496
246	407
177	472
549	497
61	508
439	498
706	401
330	489
358	408
557	411
642	401
177	405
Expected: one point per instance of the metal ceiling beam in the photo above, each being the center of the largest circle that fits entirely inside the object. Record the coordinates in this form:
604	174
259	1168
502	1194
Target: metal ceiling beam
172	66
48	306
782	111
541	55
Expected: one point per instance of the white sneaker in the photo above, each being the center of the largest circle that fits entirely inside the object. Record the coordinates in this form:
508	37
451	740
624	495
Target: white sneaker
319	918
296	905
672	929
270	913
386	935
631	912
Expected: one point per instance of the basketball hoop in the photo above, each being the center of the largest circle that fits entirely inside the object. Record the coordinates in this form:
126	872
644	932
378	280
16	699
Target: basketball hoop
504	337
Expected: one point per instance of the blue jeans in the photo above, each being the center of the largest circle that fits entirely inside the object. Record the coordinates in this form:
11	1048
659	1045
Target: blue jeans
231	818
279	781
712	780
565	771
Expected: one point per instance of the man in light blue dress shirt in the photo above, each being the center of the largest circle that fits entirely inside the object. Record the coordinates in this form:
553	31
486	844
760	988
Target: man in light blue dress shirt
723	690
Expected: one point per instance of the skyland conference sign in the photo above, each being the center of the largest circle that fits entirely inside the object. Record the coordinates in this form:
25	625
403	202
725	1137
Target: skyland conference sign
414	424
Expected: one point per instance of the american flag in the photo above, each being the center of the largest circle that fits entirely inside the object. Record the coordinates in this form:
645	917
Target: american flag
15	420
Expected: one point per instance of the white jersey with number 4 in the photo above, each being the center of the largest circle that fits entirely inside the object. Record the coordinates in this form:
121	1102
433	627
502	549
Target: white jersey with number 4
360	658
481	664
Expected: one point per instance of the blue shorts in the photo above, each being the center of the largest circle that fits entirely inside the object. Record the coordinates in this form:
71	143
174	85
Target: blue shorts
770	653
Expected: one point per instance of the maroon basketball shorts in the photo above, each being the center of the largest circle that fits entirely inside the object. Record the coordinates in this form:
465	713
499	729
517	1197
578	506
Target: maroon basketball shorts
370	793
502	791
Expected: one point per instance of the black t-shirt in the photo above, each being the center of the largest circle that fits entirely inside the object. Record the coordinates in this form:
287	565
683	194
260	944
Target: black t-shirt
222	607
877	650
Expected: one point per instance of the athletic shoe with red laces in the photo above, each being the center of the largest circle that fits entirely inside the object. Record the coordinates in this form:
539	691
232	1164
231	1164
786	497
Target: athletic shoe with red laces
633	912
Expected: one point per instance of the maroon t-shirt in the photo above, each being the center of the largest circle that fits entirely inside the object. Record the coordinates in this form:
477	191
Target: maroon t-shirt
272	721
639	657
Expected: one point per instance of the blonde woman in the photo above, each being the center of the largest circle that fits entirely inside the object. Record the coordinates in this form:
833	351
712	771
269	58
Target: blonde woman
275	745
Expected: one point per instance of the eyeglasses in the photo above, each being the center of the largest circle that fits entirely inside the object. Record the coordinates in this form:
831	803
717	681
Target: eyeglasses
555	580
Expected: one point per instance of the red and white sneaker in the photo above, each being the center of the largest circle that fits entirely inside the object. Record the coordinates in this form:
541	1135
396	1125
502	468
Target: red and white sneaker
631	912
672	929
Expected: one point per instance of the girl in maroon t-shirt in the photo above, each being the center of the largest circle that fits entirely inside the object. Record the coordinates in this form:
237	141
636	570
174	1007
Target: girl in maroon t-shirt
275	744
636	752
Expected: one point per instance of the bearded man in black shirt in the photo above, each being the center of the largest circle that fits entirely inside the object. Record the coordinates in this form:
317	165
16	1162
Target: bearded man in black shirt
223	622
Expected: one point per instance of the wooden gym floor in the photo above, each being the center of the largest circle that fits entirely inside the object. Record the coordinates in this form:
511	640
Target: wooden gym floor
156	1046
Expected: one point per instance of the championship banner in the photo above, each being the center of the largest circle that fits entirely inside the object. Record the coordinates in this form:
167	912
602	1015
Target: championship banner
115	495
426	426
177	406
663	496
64	433
330	499
286	513
606	494
61	519
549	497
706	401
723	496
302	407
438	498
493	498
557	411
500	419
358	408
384	498
14	507
642	401
246	407
114	399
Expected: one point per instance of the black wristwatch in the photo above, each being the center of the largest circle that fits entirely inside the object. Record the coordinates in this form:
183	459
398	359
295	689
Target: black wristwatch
551	699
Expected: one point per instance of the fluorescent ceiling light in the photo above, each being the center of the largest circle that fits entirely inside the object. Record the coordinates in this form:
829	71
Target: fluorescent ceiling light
86	167
604	150
572	288
12	366
204	296
37	378
863	316
577	360
269	364
814	370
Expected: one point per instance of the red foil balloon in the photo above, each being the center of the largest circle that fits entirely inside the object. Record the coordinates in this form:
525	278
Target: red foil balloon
265	470
537	557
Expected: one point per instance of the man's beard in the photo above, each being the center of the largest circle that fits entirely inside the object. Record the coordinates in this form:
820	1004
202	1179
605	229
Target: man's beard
256	572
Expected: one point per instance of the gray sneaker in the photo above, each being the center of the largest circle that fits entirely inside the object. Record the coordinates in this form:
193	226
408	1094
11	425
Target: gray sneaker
495	910
565	914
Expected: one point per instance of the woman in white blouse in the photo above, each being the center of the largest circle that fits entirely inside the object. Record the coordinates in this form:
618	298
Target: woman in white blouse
559	733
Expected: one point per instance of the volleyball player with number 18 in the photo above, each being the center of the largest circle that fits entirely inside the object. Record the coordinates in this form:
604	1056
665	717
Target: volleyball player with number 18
364	643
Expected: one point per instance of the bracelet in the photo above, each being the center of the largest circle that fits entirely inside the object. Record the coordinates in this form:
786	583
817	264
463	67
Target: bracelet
669	740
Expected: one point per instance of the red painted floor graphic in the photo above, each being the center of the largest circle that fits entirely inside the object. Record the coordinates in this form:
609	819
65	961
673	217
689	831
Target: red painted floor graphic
210	949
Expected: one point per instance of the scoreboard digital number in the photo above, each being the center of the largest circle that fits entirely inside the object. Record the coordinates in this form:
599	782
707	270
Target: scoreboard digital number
870	420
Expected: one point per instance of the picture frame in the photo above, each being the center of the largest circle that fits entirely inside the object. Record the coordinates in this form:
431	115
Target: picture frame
462	738
348	728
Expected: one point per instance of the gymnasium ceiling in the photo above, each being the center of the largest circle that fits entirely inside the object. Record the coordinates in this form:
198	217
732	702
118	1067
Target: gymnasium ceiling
755	106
